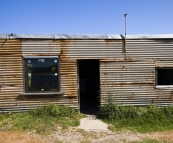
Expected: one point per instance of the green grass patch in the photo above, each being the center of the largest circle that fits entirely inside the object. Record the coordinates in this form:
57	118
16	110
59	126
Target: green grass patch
43	120
137	118
147	140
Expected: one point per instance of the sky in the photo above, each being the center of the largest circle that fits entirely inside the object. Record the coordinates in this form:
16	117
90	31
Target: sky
86	16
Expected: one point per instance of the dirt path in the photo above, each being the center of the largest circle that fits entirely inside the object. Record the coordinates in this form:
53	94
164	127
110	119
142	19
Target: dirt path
93	136
92	130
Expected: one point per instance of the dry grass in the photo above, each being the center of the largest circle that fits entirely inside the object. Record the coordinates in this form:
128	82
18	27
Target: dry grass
166	136
17	137
86	137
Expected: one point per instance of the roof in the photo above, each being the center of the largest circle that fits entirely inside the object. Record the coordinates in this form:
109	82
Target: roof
85	36
61	36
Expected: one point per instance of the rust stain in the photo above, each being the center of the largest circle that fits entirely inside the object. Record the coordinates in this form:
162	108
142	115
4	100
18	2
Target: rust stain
64	47
128	58
122	83
13	50
171	97
11	66
66	68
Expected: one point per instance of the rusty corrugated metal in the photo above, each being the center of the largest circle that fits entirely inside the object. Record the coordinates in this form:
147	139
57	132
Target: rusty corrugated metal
91	49
132	83
129	78
11	75
127	83
67	85
70	51
146	49
73	50
133	80
40	47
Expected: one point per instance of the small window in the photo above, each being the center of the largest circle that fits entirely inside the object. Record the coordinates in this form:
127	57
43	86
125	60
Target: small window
164	76
41	74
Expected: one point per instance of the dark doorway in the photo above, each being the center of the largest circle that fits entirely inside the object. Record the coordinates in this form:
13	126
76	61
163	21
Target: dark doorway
89	86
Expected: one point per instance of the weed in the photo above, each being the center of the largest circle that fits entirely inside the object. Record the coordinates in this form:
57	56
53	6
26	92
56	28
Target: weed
137	118
43	120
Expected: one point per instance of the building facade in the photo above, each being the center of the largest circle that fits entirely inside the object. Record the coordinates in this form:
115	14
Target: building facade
84	71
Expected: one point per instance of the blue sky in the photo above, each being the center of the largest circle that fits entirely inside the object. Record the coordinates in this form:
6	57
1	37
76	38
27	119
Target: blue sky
86	16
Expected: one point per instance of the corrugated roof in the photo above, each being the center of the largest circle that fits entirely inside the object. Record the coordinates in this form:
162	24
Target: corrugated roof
85	36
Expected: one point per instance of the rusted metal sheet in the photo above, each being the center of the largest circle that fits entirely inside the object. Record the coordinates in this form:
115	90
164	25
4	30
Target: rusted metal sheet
164	63
68	73
128	78
73	50
48	47
29	103
149	49
12	79
11	75
131	82
90	49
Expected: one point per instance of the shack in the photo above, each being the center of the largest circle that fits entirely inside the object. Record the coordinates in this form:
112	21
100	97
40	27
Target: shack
85	71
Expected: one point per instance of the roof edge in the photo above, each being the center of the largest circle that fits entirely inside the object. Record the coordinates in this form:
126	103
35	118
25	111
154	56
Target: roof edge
60	36
84	36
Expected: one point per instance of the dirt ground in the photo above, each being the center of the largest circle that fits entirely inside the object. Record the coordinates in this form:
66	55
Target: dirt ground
17	137
90	131
74	135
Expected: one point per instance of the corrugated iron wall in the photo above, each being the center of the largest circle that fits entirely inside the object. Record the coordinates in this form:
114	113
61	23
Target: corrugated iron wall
73	50
128	82
69	51
91	49
146	49
68	83
132	81
11	75
127	78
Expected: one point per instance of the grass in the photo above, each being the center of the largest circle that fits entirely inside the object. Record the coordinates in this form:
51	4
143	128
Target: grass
42	120
137	118
147	140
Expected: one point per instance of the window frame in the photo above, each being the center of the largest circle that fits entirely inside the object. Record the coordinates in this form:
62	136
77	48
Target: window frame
156	79
25	75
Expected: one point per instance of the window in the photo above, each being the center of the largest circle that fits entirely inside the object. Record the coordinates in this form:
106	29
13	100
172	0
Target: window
41	74
164	76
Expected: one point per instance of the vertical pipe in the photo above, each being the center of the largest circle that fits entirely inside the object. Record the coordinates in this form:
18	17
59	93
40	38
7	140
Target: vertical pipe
125	34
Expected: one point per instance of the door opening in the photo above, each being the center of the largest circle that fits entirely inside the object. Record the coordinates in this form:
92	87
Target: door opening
89	86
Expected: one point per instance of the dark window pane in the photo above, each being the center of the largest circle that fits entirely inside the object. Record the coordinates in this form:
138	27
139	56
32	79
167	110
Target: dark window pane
165	76
42	74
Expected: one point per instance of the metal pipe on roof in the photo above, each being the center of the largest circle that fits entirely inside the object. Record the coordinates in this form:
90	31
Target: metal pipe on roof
125	34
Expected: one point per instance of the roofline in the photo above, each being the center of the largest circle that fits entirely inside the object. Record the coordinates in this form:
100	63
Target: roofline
59	36
84	36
